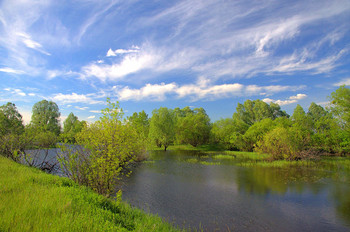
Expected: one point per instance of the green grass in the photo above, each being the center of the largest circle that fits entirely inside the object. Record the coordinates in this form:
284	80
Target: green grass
31	200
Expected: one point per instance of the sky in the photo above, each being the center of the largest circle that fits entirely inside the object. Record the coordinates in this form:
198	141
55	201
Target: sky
156	53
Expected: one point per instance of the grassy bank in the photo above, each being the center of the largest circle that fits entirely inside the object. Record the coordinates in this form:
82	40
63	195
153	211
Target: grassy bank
31	200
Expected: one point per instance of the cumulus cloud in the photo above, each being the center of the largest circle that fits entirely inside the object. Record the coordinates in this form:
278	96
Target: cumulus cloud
199	91
290	100
91	117
16	91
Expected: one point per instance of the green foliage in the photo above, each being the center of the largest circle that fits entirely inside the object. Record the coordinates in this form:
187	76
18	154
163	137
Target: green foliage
11	131
46	116
254	111
108	147
140	122
72	126
162	127
192	126
10	120
277	143
340	106
31	200
221	132
256	133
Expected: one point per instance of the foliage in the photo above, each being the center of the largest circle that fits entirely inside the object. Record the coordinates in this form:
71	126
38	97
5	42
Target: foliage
162	127
10	120
46	116
221	132
192	127
140	122
72	126
254	111
11	131
108	147
340	106
256	132
31	200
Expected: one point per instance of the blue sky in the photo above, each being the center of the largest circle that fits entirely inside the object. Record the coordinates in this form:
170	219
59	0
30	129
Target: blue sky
146	54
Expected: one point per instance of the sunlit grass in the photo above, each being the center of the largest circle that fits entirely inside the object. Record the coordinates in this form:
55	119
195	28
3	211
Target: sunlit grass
31	200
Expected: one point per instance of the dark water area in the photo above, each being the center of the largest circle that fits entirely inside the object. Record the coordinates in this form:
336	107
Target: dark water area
227	197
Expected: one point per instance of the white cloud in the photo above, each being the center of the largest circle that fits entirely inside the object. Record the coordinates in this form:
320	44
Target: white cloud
10	70
95	111
290	100
151	92
135	49
16	92
131	63
345	81
91	117
74	98
200	91
81	108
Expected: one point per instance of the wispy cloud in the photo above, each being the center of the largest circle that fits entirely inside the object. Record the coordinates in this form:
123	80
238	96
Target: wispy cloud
75	98
344	81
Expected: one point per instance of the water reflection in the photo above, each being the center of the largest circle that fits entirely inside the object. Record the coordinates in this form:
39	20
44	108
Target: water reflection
178	187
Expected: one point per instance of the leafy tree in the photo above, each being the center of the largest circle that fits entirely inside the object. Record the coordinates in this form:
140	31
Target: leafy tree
10	120
72	126
340	106
193	127
107	147
140	122
256	133
222	131
162	127
316	112
257	110
46	116
11	130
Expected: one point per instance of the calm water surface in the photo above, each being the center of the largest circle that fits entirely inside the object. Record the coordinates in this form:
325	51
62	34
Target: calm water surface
225	197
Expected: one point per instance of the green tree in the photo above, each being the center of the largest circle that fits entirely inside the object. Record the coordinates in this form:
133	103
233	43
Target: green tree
256	133
71	127
340	106
109	145
193	127
140	122
10	120
45	117
162	127
315	112
222	131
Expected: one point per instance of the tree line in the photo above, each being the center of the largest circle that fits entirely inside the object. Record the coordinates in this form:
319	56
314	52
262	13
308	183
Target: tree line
111	143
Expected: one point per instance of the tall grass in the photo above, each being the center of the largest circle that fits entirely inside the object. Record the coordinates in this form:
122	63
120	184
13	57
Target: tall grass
31	200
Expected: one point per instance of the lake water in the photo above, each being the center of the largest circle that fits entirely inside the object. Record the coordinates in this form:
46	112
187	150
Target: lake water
180	188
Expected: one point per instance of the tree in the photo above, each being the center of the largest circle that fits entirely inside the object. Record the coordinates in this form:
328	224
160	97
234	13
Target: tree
256	133
108	146
222	131
162	127
11	130
340	106
193	127
10	120
140	122
257	110
315	112
72	126
45	117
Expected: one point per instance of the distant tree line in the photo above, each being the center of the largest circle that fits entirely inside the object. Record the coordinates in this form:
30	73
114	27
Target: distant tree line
111	143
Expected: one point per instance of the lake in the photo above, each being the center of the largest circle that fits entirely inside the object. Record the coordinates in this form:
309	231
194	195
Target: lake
182	188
